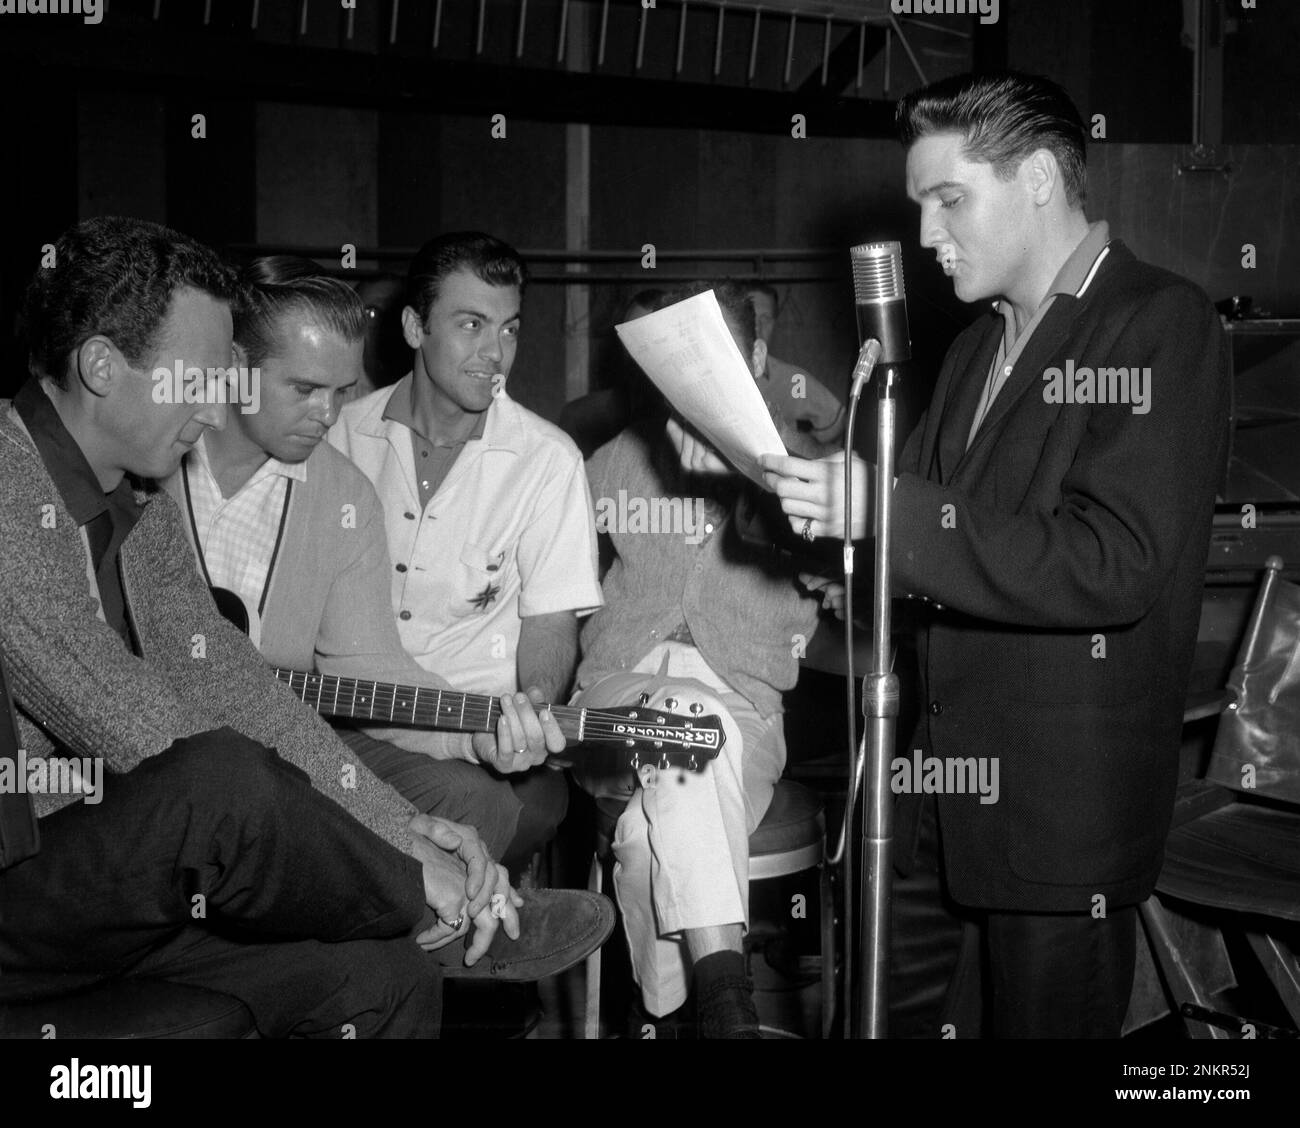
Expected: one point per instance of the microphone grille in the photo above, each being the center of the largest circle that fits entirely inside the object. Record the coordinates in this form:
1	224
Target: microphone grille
877	272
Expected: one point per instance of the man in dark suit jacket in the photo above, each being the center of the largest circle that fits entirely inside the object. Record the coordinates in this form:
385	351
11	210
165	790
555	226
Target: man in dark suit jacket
1053	507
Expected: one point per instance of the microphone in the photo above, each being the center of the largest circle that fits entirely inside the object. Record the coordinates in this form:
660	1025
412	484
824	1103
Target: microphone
881	302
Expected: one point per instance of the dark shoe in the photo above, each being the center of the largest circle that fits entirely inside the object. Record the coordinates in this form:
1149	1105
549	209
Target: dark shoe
724	997
557	929
680	1025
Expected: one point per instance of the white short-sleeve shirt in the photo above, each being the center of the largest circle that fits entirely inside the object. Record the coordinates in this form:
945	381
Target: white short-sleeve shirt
510	533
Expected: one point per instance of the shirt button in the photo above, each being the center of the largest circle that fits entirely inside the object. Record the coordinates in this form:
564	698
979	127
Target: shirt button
708	528
401	567
409	516
936	707
404	615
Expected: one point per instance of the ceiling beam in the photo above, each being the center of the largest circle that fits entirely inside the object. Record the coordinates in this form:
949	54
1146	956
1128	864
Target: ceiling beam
212	67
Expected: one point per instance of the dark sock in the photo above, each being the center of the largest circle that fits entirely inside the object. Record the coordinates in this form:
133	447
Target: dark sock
724	997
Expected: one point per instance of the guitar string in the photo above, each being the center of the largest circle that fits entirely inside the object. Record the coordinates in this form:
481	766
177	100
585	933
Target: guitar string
598	723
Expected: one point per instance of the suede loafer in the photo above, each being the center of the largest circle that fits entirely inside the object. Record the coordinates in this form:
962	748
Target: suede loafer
557	929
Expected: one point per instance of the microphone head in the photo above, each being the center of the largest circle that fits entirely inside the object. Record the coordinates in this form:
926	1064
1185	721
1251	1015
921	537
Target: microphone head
877	272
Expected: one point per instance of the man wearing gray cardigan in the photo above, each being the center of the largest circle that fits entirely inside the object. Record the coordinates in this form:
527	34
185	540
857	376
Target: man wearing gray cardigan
296	881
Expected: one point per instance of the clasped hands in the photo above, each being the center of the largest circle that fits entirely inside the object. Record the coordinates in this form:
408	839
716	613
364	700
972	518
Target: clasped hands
463	886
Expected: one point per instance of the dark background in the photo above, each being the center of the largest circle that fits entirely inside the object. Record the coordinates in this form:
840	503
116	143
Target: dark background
318	135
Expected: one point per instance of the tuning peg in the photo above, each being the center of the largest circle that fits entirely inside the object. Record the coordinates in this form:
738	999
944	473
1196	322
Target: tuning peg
663	762
670	703
696	708
643	699
693	763
636	761
661	719
630	743
659	743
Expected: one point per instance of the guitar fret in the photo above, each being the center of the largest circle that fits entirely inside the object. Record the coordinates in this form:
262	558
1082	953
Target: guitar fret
688	743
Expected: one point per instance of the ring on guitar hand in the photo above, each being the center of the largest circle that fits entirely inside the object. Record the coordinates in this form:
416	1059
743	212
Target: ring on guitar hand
806	531
457	924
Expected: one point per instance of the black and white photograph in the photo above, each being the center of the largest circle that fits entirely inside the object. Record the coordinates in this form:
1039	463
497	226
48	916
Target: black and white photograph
649	521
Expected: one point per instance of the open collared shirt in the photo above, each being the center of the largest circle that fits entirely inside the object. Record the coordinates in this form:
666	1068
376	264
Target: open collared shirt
1074	277
509	533
238	534
433	459
105	519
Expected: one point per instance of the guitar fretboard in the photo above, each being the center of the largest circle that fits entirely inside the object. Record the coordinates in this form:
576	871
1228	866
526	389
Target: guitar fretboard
408	704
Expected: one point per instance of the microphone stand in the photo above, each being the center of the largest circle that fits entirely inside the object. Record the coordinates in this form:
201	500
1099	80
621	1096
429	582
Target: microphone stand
880	710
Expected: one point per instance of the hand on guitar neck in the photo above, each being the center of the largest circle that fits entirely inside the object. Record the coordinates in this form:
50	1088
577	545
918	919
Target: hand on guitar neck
646	732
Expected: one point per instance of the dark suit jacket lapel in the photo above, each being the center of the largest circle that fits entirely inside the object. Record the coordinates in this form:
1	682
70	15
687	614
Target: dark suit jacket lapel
968	376
1027	376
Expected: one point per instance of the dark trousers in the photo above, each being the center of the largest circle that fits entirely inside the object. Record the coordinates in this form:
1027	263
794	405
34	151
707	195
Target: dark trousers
217	864
1008	974
515	816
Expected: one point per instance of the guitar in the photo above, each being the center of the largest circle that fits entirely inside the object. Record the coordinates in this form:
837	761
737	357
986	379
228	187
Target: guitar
672	740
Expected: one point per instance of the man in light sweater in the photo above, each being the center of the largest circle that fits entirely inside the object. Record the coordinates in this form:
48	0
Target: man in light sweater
237	844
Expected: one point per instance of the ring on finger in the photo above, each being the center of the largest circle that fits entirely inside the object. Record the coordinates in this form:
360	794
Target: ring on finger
806	531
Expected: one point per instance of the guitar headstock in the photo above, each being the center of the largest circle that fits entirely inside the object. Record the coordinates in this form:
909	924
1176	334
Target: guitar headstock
656	735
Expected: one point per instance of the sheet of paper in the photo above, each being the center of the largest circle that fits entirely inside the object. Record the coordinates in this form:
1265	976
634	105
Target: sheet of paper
689	353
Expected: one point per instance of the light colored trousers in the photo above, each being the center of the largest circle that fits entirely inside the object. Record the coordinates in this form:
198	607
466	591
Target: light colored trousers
681	847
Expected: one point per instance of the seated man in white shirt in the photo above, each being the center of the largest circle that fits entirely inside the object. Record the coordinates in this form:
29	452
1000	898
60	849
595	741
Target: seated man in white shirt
490	524
295	530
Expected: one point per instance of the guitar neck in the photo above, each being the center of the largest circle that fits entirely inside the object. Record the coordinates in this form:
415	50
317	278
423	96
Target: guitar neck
384	702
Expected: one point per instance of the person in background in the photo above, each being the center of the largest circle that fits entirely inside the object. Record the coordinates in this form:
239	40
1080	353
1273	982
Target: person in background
592	420
697	602
386	358
791	392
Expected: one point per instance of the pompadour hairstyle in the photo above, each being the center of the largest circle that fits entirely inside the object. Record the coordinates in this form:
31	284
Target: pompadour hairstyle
491	260
1003	118
114	277
278	286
